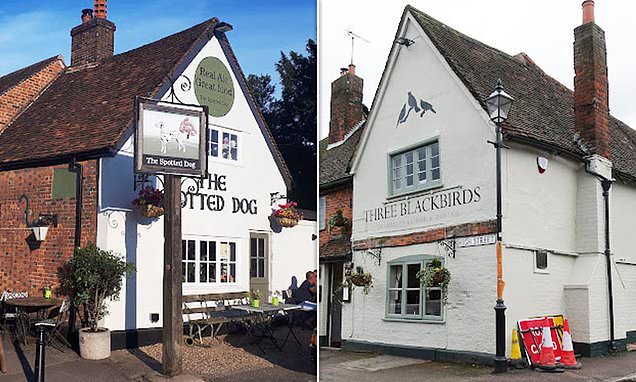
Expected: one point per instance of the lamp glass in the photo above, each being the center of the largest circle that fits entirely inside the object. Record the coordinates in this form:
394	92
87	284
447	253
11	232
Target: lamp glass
499	104
40	233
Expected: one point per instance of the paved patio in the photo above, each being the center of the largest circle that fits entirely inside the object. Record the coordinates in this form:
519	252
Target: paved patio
237	359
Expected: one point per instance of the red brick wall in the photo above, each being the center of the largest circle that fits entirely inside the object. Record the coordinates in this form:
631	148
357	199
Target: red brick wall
346	106
467	229
16	99
92	41
334	200
26	269
591	104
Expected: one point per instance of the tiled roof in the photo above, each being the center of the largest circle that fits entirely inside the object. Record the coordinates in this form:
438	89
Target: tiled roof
12	79
89	109
543	109
337	248
335	162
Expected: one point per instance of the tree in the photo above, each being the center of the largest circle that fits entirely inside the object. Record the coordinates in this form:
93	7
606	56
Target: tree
292	118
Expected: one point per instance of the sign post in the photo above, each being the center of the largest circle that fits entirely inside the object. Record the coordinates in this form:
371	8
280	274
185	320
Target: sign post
172	294
170	139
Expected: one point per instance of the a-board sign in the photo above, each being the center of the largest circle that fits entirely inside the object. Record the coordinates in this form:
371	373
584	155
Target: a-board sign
532	334
170	138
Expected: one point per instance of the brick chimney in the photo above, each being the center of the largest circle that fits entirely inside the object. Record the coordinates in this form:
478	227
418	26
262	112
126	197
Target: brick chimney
93	39
591	103
346	104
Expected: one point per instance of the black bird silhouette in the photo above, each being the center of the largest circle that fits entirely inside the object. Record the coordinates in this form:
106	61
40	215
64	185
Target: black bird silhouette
402	117
426	107
413	103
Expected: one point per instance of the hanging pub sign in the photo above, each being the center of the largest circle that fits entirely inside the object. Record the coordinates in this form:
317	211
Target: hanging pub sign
170	138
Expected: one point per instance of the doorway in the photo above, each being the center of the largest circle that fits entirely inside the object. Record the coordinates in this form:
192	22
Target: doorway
259	263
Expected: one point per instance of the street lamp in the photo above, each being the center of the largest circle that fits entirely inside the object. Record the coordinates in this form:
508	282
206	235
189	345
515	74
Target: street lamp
499	104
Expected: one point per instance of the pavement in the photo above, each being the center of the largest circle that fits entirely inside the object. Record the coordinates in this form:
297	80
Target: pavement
293	364
339	365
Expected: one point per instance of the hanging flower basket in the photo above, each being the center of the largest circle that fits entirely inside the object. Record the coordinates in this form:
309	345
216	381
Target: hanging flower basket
338	220
361	278
286	222
149	203
150	211
287	214
435	275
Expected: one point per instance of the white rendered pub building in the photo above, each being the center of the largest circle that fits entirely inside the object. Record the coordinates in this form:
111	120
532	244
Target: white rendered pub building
424	188
85	112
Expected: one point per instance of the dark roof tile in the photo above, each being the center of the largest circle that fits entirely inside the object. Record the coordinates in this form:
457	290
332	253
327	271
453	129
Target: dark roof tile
336	162
544	108
89	109
10	80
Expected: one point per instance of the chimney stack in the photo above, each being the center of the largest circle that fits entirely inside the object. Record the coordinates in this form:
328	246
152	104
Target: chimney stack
100	9
591	100
94	39
346	104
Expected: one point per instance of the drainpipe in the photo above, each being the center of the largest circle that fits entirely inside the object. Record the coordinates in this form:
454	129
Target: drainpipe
607	184
79	187
78	169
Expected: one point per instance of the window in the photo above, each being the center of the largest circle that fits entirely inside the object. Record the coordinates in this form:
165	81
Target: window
208	261
222	144
406	297
541	261
415	169
257	257
227	260
322	212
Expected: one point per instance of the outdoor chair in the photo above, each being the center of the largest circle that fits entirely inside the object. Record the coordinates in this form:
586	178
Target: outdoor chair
55	337
8	314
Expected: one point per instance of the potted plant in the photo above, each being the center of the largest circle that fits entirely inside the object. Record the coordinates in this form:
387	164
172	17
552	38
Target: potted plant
149	203
338	220
435	275
91	277
256	298
275	297
361	278
287	214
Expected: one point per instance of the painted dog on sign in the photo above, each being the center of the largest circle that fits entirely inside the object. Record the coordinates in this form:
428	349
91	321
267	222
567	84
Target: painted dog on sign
167	135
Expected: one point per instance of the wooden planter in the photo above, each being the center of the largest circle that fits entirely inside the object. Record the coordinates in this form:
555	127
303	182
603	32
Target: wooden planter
287	222
150	211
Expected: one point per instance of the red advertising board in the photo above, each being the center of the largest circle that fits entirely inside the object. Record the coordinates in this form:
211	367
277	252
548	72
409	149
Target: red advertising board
532	334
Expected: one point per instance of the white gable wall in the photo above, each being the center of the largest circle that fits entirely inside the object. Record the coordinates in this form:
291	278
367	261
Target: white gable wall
253	177
467	161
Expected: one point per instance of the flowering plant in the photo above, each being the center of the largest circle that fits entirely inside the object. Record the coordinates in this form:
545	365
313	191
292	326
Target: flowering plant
435	275
289	211
360	278
149	195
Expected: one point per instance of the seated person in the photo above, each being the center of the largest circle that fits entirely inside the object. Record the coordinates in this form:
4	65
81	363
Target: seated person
306	292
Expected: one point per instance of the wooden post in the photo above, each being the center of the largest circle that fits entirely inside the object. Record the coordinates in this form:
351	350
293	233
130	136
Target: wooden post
3	364
172	296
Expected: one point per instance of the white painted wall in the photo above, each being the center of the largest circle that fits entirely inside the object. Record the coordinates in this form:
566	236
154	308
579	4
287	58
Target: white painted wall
560	211
460	125
469	313
140	240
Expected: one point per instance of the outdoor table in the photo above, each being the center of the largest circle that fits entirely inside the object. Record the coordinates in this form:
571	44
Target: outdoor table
263	316
24	306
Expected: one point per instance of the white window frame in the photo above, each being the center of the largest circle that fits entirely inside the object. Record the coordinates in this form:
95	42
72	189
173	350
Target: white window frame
219	144
422	260
218	263
322	212
428	161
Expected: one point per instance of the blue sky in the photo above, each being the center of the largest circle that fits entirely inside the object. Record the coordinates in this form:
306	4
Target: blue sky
33	30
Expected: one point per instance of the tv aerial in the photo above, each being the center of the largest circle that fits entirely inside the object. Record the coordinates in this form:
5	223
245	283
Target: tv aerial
355	36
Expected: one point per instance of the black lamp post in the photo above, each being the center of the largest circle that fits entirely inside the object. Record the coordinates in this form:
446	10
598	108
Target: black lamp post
499	104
